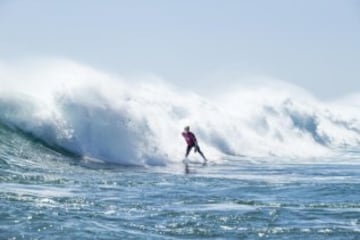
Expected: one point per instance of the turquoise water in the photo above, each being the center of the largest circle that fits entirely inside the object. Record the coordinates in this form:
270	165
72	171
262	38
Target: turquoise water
46	194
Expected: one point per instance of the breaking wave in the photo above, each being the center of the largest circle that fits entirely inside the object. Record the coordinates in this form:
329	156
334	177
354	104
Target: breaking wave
97	115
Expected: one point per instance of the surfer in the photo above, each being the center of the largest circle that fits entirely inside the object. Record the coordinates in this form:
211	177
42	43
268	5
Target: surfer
191	142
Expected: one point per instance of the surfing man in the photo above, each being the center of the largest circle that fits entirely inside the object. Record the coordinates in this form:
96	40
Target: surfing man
191	142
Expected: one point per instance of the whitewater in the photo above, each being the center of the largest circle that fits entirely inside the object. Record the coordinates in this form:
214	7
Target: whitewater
92	155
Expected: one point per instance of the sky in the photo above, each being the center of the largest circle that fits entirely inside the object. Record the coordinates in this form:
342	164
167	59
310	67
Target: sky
195	44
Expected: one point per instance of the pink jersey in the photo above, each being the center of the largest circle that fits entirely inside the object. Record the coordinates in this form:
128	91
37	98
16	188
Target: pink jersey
189	138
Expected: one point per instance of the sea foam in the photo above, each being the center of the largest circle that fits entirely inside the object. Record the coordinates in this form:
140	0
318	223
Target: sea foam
102	116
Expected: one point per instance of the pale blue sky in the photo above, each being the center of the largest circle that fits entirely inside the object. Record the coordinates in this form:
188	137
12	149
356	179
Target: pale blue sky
199	44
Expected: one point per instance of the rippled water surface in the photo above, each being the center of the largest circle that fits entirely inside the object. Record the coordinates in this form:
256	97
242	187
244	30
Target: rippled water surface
48	195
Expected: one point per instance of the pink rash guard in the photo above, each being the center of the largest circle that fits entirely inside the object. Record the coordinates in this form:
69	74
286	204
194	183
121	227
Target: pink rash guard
189	138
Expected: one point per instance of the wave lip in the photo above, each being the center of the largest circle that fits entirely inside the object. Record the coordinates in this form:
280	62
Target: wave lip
104	117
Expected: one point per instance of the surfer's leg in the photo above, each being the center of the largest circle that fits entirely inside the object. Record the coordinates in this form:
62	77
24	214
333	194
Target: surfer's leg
201	153
203	156
188	149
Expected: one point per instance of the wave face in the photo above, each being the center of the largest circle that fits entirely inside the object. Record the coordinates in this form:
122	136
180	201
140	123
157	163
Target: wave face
87	112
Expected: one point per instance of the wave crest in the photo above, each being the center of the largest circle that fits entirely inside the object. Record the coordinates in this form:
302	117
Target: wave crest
96	115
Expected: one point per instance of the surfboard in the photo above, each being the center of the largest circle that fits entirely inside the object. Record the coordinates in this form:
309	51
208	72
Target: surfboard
193	162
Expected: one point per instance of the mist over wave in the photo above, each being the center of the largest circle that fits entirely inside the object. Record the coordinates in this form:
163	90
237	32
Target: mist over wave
94	114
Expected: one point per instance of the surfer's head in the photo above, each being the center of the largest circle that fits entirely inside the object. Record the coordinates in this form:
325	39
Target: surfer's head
187	128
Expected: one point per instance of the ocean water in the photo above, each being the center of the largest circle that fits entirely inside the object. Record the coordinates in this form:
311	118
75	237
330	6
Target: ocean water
88	155
46	194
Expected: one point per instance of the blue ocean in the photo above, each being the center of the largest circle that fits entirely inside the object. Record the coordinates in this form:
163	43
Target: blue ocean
88	155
